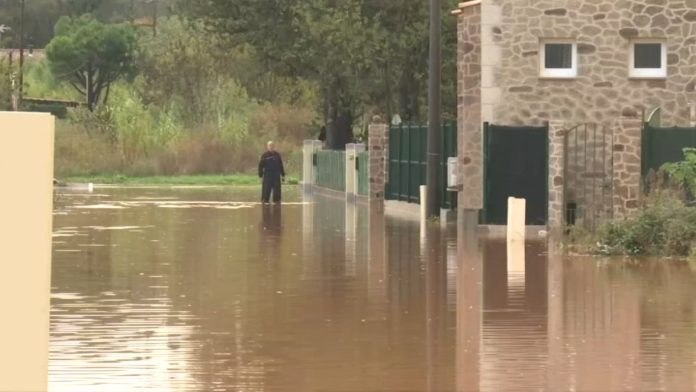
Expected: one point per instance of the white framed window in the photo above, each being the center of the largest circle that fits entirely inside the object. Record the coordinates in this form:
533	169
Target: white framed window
648	59
558	59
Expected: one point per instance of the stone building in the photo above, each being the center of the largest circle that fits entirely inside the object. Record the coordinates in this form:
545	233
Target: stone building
584	73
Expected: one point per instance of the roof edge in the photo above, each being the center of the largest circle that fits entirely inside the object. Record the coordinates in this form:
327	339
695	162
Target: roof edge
462	6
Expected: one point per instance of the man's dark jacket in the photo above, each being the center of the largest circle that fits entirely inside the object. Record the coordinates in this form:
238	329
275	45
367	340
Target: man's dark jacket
271	165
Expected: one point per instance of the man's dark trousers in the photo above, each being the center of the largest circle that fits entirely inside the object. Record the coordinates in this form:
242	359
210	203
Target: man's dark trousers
271	183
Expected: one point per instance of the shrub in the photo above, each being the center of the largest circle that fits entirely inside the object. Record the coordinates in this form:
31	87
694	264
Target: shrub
684	172
665	228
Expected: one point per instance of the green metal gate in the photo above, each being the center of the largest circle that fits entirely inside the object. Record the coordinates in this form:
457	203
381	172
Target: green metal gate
665	145
515	165
408	162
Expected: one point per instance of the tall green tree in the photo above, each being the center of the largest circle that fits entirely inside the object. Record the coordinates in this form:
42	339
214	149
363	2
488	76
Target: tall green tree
330	42
367	55
91	55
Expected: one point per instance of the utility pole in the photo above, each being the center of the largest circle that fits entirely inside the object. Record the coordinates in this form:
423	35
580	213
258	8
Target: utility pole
434	115
21	53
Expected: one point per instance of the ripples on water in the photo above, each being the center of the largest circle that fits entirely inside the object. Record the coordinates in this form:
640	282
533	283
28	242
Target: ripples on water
319	297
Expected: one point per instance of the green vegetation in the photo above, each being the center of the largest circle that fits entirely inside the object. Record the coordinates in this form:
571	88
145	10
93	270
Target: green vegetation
197	87
5	86
364	55
91	55
664	226
684	172
240	180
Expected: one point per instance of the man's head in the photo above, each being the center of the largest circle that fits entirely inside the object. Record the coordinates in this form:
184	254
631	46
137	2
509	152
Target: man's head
270	146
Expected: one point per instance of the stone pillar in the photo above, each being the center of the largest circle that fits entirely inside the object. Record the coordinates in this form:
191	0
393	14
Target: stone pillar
556	174
26	207
309	148
627	166
470	127
378	146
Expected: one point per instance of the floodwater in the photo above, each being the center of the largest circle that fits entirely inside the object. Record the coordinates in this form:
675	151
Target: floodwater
205	290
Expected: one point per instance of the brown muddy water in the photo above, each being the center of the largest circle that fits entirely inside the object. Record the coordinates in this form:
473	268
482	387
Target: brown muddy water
204	290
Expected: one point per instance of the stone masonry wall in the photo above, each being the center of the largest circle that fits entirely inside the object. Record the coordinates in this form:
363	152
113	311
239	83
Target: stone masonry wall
499	82
469	108
627	170
603	30
557	133
378	144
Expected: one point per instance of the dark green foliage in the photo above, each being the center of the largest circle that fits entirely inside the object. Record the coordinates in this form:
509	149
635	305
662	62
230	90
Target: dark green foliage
665	228
367	56
684	172
5	85
57	109
91	55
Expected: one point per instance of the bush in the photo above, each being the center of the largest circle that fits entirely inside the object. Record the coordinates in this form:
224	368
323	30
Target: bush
665	228
684	173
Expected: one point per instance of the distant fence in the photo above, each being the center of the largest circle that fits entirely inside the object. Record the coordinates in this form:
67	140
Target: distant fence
363	173
331	169
408	162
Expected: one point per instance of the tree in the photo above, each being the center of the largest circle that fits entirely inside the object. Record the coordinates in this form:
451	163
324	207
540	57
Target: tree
91	55
365	54
5	85
332	43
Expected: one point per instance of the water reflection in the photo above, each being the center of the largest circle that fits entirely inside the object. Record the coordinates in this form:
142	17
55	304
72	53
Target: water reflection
324	296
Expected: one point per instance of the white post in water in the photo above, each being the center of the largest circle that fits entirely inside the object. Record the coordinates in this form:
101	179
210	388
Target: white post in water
352	151
351	239
515	240
423	208
26	207
307	164
351	156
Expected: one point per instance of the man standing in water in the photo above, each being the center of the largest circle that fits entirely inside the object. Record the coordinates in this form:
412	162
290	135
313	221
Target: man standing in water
271	170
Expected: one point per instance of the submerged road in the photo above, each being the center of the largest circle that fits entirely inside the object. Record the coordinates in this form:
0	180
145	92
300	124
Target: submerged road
185	289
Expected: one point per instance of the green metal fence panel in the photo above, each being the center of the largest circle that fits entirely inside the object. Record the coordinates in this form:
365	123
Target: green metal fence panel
408	162
331	170
665	145
363	173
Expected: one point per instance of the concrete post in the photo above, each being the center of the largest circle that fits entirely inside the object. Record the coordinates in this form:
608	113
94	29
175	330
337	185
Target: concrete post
309	148
516	262
350	171
26	164
351	239
423	210
352	151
